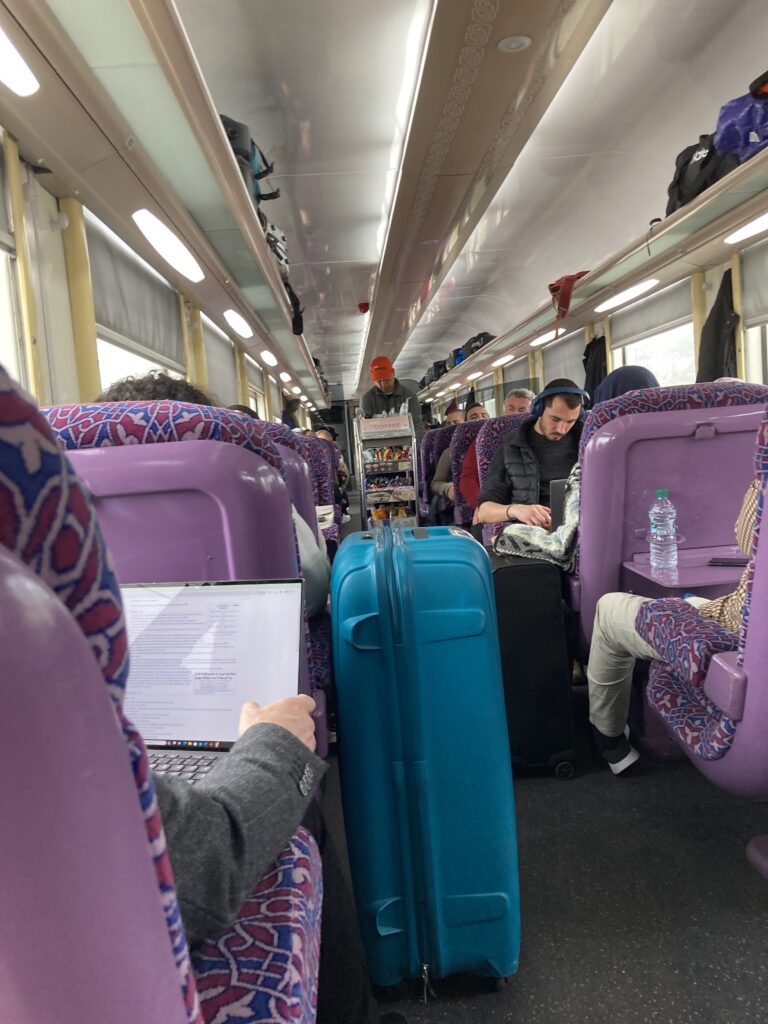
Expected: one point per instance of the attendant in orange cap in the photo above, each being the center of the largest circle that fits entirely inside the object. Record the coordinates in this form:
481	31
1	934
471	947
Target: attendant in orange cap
388	394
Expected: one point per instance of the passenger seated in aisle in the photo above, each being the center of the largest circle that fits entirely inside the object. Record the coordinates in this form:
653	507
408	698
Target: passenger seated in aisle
543	449
342	474
616	643
559	546
388	394
518	401
442	484
157	386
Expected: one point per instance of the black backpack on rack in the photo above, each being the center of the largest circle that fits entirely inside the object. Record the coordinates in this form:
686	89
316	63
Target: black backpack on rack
253	165
696	168
476	343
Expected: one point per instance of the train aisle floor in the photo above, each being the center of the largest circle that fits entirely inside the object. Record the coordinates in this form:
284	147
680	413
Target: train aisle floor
638	905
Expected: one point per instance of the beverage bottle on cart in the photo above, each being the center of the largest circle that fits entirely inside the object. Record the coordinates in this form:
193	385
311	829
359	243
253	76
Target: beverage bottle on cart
662	516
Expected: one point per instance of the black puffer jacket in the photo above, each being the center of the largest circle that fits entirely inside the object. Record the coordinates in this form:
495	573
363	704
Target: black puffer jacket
513	476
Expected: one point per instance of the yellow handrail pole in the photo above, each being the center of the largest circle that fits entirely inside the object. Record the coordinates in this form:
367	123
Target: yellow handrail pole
194	347
608	349
27	306
81	304
242	378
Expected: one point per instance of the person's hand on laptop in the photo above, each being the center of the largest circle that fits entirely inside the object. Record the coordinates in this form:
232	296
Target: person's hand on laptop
533	515
293	714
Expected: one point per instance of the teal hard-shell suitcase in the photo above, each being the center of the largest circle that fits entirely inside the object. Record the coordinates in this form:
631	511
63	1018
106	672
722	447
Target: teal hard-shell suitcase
424	754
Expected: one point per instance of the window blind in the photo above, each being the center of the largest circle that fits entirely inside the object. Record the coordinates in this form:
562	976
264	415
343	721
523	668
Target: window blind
665	309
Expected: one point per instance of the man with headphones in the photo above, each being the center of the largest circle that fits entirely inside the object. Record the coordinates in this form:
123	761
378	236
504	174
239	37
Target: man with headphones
544	448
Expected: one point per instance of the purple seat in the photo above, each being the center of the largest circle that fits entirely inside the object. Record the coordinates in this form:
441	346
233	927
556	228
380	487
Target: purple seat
490	437
438	440
426	468
82	797
711	690
218	510
297	473
665	437
315	451
463	436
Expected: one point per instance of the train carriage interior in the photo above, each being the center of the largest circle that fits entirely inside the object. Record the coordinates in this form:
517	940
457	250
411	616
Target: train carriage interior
427	681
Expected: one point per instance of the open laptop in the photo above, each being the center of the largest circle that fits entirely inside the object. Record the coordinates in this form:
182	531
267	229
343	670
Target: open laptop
198	652
557	502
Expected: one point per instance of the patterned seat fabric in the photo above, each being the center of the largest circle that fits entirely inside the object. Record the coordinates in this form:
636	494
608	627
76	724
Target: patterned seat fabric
463	436
684	396
687	641
250	973
315	451
439	440
490	437
683	639
114	424
426	468
47	520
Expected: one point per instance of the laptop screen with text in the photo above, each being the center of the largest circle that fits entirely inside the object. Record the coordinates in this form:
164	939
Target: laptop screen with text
199	651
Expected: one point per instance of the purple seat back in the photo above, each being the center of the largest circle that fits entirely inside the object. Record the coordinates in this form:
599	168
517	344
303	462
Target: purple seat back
316	452
425	467
490	437
299	481
298	476
439	441
68	952
184	512
463	436
698	441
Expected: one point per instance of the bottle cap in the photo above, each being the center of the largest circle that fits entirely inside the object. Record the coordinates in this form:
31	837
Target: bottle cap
662	493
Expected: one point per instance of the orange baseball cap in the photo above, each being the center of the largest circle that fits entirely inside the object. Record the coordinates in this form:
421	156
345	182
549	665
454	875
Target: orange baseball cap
382	368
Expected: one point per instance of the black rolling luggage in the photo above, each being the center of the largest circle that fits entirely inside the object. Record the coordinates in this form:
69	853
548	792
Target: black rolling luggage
534	663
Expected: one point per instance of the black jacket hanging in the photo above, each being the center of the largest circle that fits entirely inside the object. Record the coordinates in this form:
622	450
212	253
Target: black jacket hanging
595	365
717	352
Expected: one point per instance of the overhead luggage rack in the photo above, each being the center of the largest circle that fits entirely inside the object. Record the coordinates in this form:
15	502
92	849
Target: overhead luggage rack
386	459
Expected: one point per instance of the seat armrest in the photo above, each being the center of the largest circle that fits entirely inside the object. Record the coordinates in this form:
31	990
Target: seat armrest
683	638
725	684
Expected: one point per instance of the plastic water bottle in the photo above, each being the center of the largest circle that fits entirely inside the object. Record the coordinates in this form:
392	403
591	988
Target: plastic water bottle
663	532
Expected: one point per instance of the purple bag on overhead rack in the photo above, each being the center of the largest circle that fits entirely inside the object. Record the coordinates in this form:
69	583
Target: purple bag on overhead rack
742	126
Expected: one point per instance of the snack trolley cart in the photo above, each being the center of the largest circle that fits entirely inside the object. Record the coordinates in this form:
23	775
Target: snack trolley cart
387	470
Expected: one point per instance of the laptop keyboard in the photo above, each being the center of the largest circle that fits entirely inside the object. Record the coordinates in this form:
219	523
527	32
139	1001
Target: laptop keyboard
188	765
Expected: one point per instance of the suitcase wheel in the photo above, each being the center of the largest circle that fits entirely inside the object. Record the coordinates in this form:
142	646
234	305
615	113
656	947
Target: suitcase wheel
564	770
502	983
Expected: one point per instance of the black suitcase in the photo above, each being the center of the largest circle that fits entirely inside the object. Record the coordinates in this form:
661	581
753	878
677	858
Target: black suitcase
534	663
439	368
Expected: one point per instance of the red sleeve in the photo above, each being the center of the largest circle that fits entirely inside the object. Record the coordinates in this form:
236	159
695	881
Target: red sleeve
469	483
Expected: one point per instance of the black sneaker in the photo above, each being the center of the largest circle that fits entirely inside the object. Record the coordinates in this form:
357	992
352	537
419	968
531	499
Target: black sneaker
616	751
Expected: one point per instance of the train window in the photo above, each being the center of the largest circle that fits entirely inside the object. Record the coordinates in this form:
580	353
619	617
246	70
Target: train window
117	361
756	353
564	358
10	348
670	355
222	368
256	402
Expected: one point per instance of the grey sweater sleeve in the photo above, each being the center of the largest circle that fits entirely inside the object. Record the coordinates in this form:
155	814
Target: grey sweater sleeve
224	832
441	481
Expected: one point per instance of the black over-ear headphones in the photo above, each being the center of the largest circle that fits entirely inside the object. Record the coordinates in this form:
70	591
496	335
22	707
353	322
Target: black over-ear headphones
538	403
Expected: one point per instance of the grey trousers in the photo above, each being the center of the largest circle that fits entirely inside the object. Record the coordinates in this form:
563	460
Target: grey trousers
615	645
